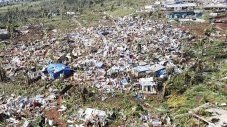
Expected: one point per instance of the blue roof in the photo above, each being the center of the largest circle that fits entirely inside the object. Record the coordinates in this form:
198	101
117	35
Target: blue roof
56	67
55	70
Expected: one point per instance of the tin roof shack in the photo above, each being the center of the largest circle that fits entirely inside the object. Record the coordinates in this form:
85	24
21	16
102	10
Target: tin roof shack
4	34
147	85
59	70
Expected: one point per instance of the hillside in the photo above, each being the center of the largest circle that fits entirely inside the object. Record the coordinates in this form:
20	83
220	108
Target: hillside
107	63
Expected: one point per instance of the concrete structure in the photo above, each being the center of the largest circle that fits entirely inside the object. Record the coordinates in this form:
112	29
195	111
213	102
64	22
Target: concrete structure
147	85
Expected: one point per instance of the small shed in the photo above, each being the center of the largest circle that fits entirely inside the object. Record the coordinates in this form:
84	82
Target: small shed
57	70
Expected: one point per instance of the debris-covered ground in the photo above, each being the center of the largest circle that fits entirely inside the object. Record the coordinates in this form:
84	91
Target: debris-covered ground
135	71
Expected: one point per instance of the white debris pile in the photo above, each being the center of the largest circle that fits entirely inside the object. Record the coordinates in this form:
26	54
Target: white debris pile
93	116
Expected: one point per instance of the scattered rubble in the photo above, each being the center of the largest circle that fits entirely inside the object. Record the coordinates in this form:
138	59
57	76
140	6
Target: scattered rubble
218	117
93	116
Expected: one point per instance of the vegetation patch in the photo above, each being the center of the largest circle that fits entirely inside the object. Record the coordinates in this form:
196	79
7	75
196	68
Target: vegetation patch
176	101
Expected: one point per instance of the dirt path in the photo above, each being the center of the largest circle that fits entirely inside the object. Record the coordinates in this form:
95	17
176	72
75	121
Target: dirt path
55	115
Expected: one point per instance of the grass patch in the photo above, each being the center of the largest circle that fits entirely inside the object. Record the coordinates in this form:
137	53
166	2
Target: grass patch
90	19
65	25
120	12
20	89
176	101
22	6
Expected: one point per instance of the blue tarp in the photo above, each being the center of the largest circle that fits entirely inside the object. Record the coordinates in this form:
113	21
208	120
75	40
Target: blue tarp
56	70
161	72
